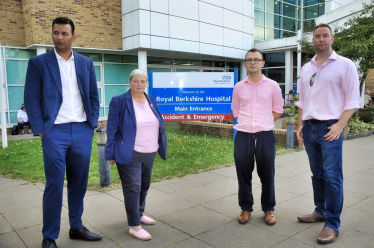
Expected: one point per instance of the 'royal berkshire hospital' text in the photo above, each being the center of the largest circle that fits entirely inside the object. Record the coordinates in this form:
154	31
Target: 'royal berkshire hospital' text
192	99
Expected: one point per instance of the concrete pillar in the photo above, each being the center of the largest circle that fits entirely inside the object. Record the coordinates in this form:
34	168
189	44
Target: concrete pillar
288	71
40	50
243	72
142	60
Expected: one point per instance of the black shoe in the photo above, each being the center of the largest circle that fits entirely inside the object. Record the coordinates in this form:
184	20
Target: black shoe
84	234
49	243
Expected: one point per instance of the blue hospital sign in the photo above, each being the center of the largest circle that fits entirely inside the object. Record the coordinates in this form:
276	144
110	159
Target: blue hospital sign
191	96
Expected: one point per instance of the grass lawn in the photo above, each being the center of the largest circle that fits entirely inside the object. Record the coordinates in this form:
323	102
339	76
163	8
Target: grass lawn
186	154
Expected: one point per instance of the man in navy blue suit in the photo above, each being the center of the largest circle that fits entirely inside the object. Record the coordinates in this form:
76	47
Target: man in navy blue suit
63	107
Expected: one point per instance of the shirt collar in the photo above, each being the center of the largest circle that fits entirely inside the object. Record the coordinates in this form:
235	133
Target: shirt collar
59	57
263	79
333	56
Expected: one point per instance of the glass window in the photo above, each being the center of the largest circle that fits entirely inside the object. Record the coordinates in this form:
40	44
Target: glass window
117	73
259	33
269	34
15	96
97	73
101	112
288	34
158	70
235	65
273	21
259	18
13	117
96	57
16	71
187	62
114	90
19	53
186	70
273	6
158	61
212	63
276	74
116	58
274	59
289	24
260	4
309	25
292	1
312	2
314	11
290	10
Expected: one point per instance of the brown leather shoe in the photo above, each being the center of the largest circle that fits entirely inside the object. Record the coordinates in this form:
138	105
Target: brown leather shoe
310	218
327	235
244	217
270	218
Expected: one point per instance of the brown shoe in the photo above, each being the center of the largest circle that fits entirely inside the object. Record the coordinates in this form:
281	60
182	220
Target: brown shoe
270	218
244	217
327	235
310	218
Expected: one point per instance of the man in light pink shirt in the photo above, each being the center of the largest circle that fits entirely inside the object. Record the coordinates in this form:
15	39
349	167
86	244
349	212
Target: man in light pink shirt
329	95
257	102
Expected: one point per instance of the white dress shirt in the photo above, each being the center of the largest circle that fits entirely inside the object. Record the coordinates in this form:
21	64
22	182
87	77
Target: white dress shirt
72	109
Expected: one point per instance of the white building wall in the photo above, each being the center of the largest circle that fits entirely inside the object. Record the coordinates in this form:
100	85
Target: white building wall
211	27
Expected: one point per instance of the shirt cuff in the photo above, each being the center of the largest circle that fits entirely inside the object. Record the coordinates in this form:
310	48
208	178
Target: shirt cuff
351	105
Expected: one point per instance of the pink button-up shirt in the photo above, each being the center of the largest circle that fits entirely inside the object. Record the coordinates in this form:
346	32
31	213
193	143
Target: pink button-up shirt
147	128
254	104
335	88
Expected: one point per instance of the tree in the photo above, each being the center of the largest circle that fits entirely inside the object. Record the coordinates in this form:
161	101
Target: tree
354	40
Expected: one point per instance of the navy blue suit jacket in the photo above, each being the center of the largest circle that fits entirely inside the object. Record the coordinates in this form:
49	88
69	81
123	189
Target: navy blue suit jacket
43	90
121	129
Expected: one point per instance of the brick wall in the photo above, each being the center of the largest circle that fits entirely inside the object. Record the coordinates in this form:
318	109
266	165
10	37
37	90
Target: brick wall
227	131
12	31
98	23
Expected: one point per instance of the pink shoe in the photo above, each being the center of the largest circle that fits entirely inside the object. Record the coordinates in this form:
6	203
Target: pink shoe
146	220
141	234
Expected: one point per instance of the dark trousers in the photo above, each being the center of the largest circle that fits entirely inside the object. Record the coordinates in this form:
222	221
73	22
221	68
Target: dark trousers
248	148
136	180
66	145
326	164
22	125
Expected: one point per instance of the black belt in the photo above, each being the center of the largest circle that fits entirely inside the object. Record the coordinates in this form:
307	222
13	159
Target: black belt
315	121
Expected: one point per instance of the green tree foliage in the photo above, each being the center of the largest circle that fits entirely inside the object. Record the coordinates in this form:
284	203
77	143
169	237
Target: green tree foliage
354	40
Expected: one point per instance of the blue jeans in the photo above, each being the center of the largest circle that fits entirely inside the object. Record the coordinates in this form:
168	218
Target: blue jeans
325	158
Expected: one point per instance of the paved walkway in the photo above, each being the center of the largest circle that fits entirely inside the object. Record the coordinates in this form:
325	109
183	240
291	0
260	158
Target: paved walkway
200	210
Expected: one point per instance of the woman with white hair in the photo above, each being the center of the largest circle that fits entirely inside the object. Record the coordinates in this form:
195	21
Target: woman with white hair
135	135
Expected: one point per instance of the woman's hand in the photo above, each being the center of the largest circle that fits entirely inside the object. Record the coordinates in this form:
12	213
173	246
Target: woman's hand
112	162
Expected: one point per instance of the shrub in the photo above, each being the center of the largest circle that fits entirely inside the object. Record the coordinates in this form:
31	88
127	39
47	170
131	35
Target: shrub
366	116
357	126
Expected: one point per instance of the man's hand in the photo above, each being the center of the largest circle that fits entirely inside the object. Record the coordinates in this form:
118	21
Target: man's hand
335	131
299	133
112	162
41	135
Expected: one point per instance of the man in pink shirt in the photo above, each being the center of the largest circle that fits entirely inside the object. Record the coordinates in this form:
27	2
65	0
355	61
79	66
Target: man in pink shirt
329	95
257	102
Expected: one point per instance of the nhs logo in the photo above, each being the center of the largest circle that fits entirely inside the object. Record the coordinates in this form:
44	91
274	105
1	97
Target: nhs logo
226	77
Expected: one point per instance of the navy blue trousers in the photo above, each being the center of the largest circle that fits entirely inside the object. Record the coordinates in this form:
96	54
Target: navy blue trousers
136	180
248	148
22	125
65	146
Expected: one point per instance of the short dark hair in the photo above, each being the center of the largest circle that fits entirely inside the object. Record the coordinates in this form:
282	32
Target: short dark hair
322	25
64	20
254	50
